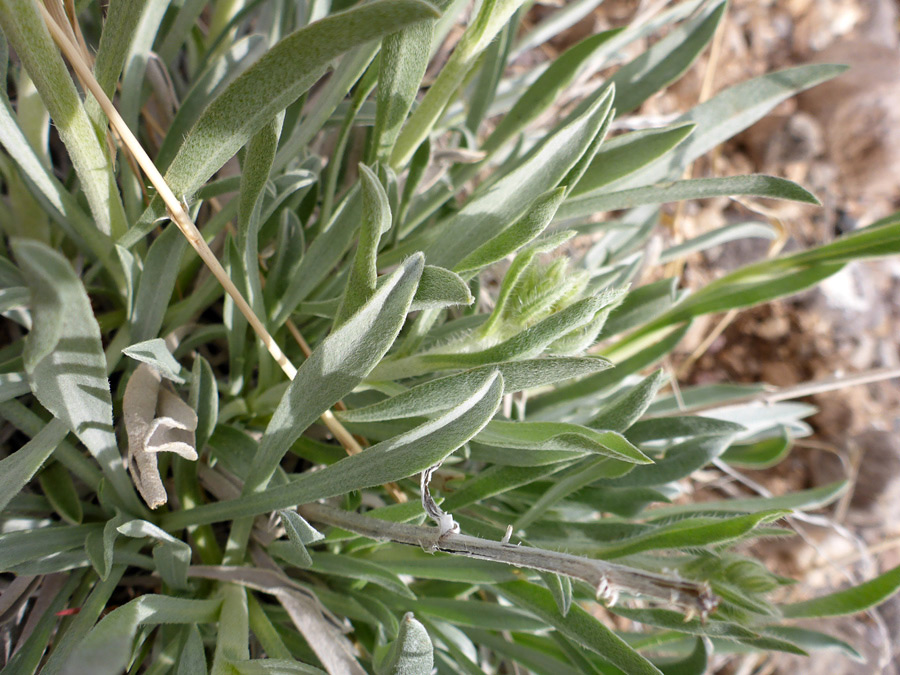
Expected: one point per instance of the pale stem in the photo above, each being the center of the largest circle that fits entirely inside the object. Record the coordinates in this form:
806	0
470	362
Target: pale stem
607	579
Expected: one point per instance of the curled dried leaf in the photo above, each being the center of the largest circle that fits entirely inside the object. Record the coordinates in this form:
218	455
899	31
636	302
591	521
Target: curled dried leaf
156	420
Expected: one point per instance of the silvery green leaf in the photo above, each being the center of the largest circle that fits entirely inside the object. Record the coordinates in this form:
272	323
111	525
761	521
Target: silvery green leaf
493	210
172	556
13	385
728	113
665	61
545	90
670	428
19	467
106	648
579	625
255	171
321	257
529	343
410	654
99	545
439	288
680	461
337	366
600	201
57	485
717	237
404	58
157	282
376	220
300	533
560	437
445	392
625	154
29	545
64	358
206	87
529	226
649	353
155	353
626	408
848	601
61	205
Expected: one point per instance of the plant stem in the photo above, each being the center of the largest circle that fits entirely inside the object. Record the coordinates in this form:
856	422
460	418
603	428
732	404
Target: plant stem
607	579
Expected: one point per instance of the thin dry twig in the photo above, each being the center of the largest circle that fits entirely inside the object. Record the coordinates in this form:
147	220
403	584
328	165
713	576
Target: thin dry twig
607	579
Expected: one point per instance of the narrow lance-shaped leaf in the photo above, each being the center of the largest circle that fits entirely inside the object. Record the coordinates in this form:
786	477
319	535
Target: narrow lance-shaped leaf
122	18
316	115
665	61
623	411
254	177
391	460
560	436
680	461
697	188
59	488
691	533
410	654
546	89
64	359
18	468
440	288
728	113
155	353
694	663
321	257
172	556
499	206
529	226
849	601
376	220
336	367
404	58
717	237
271	84
106	648
444	392
528	343
300	533
233	632
625	154
61	205
206	86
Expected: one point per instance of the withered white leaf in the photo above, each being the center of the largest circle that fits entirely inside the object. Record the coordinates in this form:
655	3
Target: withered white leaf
156	420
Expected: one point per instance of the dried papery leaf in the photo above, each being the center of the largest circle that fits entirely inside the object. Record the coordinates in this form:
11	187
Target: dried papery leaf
174	427
156	420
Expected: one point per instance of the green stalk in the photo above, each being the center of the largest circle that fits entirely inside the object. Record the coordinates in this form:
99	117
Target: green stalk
27	34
